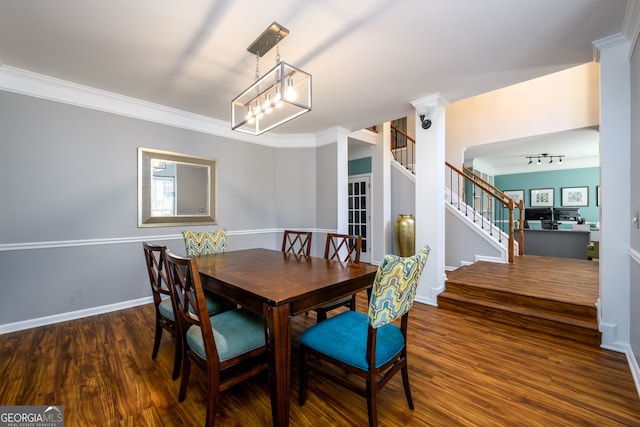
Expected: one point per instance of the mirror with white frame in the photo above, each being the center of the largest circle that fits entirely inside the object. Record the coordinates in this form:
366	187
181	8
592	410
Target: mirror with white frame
175	189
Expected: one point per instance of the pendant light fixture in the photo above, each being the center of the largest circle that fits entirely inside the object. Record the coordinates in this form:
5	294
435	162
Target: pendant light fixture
282	94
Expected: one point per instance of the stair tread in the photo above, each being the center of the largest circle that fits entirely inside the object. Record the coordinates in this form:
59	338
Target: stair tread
586	322
533	298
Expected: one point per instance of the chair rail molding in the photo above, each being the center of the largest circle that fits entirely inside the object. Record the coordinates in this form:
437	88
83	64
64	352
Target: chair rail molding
6	247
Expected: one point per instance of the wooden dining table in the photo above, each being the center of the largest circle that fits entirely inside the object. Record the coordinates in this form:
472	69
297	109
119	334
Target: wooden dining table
278	286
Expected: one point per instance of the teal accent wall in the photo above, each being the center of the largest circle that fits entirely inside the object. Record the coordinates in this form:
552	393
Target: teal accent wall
360	166
585	177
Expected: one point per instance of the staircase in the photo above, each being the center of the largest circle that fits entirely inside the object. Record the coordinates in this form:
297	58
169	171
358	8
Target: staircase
471	197
535	293
522	297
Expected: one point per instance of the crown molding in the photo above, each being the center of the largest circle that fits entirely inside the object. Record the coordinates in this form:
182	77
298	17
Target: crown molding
45	87
631	25
607	43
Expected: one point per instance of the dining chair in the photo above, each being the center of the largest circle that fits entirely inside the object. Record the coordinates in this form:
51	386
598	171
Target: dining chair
205	242
229	347
297	242
345	248
367	345
155	257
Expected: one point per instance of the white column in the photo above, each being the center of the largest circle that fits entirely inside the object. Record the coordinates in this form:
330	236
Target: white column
615	176
342	160
381	195
430	190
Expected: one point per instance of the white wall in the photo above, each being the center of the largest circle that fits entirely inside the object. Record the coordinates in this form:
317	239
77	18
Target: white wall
615	191
561	101
634	300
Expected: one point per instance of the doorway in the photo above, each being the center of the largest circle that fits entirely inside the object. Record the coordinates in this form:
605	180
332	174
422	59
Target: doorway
359	217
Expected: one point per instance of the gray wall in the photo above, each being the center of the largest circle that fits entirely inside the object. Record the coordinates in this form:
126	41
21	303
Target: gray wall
295	182
635	203
462	244
326	196
327	174
68	231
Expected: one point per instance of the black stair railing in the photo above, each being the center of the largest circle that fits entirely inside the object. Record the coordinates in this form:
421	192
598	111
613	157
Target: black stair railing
403	148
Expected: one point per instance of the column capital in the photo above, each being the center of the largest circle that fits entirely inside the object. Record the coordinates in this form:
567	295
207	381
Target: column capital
430	101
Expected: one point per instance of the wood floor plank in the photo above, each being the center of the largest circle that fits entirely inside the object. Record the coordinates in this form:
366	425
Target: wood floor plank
562	279
555	295
464	371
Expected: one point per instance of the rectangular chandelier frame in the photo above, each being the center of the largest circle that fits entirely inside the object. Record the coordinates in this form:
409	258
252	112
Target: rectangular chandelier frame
282	94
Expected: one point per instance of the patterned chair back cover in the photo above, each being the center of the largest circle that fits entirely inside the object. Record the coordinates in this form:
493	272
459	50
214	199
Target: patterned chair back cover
394	287
205	242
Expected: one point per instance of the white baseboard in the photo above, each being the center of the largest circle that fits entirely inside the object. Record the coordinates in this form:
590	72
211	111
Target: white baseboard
489	259
635	369
62	317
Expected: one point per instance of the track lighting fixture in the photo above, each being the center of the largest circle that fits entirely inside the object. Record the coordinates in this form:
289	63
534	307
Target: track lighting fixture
544	156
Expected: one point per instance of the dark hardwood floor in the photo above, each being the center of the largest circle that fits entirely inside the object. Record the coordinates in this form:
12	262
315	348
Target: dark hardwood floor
465	371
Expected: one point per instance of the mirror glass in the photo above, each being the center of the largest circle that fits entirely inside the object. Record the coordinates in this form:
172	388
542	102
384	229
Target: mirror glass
175	189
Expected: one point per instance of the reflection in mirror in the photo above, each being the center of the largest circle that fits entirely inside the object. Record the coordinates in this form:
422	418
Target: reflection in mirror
175	189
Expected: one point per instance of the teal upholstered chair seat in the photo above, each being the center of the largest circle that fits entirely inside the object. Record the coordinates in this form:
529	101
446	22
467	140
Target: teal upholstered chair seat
216	304
166	309
367	345
344	338
232	339
235	332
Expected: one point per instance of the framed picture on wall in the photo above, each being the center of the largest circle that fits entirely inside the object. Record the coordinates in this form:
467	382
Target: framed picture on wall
516	195
542	197
575	196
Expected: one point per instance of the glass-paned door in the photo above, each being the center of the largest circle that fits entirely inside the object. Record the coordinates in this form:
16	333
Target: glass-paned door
359	218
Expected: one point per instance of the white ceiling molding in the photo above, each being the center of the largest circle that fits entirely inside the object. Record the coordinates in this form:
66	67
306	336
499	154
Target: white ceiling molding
40	86
631	25
608	42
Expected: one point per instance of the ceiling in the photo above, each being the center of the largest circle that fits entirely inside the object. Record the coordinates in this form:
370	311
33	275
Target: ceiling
580	148
369	58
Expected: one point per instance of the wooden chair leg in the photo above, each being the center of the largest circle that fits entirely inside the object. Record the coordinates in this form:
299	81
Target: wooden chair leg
177	359
407	388
156	340
371	402
304	377
321	315
184	381
212	405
